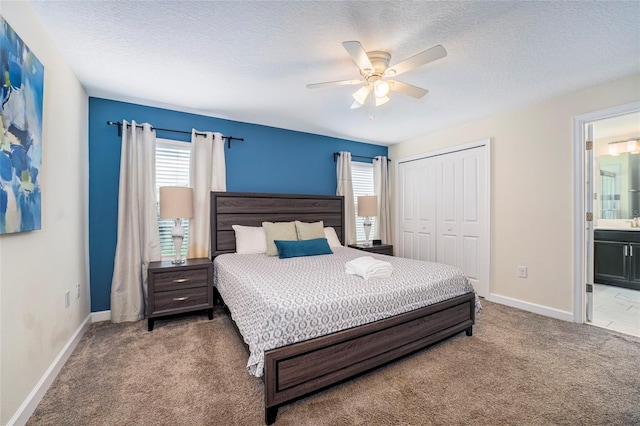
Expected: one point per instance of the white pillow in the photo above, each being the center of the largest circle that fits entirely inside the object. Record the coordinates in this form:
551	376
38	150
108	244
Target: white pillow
332	237
250	239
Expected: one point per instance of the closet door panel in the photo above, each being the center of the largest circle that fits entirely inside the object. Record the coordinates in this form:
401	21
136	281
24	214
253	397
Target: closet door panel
417	200
470	258
409	182
426	227
448	206
406	245
472	220
448	249
425	248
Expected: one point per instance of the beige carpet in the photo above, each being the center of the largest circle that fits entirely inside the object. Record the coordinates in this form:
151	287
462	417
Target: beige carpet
517	368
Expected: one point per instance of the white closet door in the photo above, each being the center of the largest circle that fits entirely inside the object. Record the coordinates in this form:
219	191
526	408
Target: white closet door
474	258
418	214
444	212
448	201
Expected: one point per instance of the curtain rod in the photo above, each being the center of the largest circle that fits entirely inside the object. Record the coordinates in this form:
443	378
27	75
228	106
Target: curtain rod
335	157
228	138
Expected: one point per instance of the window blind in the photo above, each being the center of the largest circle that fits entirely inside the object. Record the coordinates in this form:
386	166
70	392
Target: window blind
362	179
172	169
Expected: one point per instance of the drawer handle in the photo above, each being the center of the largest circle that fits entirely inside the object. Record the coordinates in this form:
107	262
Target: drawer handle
182	280
180	299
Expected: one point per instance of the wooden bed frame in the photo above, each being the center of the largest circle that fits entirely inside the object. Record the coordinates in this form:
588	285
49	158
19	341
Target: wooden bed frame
296	370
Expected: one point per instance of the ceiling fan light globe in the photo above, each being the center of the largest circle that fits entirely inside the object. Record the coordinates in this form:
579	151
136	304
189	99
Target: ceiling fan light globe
361	94
381	88
382	100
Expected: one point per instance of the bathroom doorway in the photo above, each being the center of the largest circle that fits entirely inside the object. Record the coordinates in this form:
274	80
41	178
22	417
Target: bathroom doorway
609	293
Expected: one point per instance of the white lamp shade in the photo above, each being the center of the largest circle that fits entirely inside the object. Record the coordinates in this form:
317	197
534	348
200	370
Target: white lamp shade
633	146
382	101
368	205
361	94
381	88
176	202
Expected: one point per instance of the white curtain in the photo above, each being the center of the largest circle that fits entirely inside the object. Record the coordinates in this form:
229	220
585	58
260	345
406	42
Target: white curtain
207	173
138	237
345	188
381	189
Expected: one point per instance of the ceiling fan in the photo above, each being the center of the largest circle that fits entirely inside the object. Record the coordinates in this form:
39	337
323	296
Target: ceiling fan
376	73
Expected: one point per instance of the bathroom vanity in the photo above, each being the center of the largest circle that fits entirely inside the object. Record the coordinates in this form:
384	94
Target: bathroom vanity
617	257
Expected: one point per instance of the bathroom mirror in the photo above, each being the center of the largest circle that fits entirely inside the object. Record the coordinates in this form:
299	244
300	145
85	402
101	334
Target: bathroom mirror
618	186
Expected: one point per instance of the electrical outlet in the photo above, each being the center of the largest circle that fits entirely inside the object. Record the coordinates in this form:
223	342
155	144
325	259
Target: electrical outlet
67	299
522	271
77	290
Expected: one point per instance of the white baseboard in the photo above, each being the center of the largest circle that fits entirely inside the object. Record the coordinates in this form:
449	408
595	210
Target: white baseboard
532	307
100	316
31	402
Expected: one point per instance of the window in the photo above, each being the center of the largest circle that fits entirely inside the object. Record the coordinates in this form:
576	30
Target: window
172	169
362	178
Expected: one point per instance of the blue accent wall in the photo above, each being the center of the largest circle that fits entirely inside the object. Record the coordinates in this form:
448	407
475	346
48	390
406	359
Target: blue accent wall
269	160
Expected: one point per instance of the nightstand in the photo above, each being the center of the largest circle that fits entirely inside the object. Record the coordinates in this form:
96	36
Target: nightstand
379	249
175	289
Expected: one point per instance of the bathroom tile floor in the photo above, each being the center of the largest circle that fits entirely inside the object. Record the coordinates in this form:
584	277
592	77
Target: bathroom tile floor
616	308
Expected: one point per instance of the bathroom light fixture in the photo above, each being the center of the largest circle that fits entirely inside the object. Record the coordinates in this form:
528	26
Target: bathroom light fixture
632	146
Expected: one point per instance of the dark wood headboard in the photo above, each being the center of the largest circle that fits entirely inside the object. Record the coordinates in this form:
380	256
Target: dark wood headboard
251	209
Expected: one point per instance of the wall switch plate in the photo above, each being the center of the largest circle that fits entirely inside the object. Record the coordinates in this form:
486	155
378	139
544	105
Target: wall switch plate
522	271
67	299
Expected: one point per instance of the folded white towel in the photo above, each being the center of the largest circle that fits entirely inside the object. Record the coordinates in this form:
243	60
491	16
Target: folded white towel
367	267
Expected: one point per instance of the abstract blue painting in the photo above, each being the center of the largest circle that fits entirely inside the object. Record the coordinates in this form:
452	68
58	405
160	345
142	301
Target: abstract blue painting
22	78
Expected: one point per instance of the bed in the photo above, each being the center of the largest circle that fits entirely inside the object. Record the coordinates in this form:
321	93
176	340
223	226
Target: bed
363	338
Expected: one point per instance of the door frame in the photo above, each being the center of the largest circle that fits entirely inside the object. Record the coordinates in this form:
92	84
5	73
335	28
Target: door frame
580	231
486	143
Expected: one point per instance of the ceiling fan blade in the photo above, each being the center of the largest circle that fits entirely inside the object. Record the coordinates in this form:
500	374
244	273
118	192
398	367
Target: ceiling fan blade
356	105
358	55
333	83
422	58
408	89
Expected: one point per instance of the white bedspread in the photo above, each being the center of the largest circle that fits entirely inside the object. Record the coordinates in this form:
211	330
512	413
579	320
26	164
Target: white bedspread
276	302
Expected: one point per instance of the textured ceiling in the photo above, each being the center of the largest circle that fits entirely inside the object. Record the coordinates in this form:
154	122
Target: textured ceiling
250	60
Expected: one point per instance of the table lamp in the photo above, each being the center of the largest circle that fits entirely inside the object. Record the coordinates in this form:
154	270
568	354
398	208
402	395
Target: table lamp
367	207
176	202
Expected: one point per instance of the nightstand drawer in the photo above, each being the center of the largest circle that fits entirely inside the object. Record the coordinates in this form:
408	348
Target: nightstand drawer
176	300
176	280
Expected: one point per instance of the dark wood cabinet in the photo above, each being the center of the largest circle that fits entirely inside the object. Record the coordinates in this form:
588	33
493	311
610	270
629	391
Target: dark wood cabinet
175	289
380	248
617	258
634	265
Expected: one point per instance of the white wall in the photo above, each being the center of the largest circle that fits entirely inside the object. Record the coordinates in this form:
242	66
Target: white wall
36	268
531	190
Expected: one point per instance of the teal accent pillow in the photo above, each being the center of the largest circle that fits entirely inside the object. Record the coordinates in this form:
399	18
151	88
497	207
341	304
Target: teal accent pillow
287	248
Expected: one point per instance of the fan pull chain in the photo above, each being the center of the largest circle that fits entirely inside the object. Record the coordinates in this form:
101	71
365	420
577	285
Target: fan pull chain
372	101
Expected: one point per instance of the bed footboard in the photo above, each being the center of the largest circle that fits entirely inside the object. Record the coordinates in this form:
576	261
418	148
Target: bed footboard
302	368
